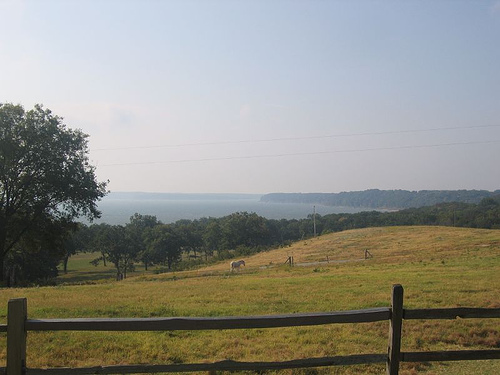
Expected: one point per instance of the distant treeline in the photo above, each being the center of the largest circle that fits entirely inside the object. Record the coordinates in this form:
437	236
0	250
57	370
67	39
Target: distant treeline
485	214
380	199
188	243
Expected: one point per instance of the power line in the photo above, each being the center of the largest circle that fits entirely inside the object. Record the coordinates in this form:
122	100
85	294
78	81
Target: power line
282	139
304	153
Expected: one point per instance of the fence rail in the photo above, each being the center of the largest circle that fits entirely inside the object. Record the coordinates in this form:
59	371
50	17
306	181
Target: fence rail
192	324
219	366
451	313
18	325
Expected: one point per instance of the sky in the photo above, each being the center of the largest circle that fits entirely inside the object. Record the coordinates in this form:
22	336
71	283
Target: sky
266	96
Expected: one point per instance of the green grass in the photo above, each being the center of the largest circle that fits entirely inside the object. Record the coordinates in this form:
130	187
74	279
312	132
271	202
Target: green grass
81	271
439	267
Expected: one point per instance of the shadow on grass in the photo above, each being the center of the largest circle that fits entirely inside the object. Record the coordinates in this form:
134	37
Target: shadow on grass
95	275
80	277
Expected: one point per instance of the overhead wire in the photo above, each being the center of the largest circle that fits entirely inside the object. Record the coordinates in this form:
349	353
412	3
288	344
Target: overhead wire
283	139
303	153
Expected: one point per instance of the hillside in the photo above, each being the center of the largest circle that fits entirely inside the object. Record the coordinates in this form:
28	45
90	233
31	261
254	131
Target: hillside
438	266
387	245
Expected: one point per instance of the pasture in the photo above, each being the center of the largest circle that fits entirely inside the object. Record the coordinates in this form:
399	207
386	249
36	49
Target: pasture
438	266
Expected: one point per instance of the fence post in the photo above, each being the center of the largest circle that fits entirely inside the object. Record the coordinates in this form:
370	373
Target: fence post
395	325
16	336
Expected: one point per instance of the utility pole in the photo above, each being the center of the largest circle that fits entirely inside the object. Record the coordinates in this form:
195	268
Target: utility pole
314	220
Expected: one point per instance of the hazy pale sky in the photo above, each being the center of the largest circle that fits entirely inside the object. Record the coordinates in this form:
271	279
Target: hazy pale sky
266	96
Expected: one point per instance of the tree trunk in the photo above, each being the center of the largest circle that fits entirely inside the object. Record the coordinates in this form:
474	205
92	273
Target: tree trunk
11	276
3	254
1	268
65	263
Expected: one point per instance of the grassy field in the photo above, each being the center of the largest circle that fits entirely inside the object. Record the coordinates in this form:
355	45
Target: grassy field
438	267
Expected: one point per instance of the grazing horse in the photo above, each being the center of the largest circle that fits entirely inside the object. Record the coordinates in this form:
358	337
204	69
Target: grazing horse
236	265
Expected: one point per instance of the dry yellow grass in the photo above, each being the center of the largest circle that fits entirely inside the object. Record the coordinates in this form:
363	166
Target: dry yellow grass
390	245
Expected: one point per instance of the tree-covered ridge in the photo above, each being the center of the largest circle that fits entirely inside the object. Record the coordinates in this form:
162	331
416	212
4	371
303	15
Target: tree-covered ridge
380	199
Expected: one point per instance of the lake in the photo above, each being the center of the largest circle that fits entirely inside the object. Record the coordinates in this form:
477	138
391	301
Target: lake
117	208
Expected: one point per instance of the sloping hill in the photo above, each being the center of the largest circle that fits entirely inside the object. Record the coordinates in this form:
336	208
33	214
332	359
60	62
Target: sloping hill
389	245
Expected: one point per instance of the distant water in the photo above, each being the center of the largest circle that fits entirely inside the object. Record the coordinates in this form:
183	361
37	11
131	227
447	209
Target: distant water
117	208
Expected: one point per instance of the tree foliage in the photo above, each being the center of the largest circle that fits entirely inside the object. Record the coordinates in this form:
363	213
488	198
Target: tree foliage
165	245
120	249
46	180
138	230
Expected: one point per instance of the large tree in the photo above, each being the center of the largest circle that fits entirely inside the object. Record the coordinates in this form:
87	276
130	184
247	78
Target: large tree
116	241
165	245
45	177
138	229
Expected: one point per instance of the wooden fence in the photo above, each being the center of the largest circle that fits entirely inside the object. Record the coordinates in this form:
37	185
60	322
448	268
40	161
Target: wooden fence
18	325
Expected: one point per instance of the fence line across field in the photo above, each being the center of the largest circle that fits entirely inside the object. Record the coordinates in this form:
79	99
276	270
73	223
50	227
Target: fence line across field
18	325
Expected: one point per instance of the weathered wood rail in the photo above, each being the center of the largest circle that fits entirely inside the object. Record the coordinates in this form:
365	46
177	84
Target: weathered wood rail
18	326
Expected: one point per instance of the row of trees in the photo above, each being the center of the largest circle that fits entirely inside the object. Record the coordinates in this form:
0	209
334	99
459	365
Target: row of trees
147	240
485	215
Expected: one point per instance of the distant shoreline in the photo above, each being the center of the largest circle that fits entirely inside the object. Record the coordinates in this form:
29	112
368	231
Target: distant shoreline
118	207
179	196
382	199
